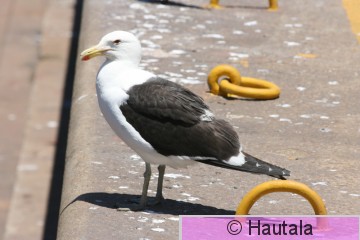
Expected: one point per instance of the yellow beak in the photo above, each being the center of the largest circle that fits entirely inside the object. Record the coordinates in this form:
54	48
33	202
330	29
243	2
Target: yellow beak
93	52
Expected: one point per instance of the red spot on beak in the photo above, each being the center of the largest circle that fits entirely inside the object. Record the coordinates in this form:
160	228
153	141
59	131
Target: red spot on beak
85	58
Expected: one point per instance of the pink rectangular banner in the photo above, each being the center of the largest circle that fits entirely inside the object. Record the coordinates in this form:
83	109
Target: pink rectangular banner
266	227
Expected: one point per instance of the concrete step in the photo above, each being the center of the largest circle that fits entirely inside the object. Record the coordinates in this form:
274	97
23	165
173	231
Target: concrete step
19	38
34	66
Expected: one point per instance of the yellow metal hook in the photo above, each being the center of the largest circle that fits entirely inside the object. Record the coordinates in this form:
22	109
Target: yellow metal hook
234	84
273	5
284	186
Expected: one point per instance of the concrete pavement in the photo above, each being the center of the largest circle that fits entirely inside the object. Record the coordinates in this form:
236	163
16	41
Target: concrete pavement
16	78
35	38
312	129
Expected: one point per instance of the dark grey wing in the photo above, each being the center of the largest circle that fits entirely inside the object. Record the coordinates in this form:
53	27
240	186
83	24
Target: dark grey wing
168	116
165	100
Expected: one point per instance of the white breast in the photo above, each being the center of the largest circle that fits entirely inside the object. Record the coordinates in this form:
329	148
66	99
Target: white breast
113	82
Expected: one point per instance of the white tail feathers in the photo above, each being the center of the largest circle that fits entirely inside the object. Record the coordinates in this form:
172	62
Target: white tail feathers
238	160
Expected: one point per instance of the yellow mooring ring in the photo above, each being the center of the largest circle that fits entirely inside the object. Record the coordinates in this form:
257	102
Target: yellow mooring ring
234	84
284	186
273	5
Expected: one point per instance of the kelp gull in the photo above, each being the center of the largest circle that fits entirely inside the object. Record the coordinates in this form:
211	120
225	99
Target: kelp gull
163	122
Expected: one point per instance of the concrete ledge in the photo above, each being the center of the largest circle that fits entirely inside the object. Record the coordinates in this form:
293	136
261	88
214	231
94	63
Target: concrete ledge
300	130
32	69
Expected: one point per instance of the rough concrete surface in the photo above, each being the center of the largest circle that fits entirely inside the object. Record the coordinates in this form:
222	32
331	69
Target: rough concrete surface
306	47
18	49
35	37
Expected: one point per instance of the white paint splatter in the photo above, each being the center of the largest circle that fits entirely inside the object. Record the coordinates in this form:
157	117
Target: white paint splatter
158	229
251	23
123	187
151	60
274	115
186	194
285	120
284	105
113	177
239	55
192	199
291	44
190	81
324	117
213	35
135	157
177	52
333	82
175	175
156	37
354	195
150	17
176	75
158	220
173	218
305	116
238	32
143	219
97	163
301	88
319	183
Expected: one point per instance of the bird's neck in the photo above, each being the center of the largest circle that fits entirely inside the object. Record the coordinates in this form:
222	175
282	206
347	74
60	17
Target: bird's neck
120	74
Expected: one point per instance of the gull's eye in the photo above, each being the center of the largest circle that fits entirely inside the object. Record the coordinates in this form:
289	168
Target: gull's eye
117	41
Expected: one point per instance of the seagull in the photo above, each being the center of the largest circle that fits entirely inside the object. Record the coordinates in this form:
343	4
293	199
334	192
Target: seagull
163	122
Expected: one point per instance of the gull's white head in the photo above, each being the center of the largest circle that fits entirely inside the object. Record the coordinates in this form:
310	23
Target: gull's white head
118	45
